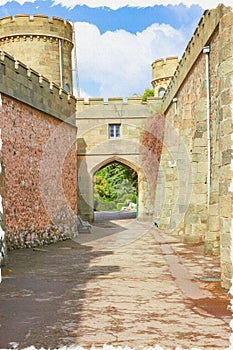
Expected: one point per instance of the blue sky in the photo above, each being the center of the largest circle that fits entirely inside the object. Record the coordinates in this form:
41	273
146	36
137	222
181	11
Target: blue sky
117	40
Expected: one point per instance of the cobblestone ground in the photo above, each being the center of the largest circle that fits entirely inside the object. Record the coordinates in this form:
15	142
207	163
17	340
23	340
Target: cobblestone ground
116	289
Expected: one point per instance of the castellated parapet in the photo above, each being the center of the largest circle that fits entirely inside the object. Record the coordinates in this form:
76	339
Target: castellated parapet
205	29
117	106
162	72
44	45
28	86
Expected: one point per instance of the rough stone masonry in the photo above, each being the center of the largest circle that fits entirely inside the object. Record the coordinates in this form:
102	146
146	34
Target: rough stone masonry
195	199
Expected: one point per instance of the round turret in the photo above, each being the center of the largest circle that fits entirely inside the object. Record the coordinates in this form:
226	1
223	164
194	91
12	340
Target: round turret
42	44
162	72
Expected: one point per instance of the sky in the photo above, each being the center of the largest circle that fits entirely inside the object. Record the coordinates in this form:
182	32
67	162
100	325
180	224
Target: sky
117	40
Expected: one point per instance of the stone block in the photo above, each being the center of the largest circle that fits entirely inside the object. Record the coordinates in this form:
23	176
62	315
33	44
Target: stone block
226	51
199	149
225	224
192	218
226	274
172	177
210	248
199	198
203	217
200	188
227	20
226	127
225	142
196	208
201	141
198	134
213	223
224	187
185	124
225	208
214	181
199	230
214	209
202	167
164	223
226	157
225	256
225	172
225	69
199	156
214	198
191	239
225	240
182	208
199	178
226	282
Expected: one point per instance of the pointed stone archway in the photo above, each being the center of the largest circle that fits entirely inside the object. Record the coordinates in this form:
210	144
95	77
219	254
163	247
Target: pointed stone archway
110	132
86	184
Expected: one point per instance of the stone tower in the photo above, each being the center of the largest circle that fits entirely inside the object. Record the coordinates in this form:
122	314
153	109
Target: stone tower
162	72
42	44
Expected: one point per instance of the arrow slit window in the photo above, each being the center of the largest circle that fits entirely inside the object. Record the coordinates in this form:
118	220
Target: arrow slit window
114	131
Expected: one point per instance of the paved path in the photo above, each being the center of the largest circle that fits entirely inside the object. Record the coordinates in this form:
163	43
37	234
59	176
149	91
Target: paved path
102	216
139	292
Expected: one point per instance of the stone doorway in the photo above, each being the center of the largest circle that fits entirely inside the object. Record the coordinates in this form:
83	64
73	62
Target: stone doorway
86	185
116	189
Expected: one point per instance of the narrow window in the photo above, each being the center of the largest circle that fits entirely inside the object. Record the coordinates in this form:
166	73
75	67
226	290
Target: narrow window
161	92
67	88
114	130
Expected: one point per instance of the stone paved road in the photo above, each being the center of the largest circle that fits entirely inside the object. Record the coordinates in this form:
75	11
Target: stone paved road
103	289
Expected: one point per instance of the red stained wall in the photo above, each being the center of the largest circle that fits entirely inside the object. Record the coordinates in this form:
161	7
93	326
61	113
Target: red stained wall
31	139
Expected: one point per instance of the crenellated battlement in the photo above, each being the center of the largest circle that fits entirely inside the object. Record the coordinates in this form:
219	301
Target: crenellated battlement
205	29
42	43
164	68
34	26
25	84
162	72
81	102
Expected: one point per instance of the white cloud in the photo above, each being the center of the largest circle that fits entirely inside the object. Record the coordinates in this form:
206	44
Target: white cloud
119	62
115	4
21	2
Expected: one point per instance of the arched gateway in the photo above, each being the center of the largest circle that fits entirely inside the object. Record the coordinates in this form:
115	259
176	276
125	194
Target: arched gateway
110	132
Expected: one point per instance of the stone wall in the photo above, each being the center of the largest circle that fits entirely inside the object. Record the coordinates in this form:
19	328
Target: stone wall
38	155
41	44
162	72
3	249
36	171
96	149
28	86
225	109
183	205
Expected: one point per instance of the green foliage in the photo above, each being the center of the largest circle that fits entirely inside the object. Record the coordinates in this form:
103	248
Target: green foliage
147	93
119	206
106	206
114	183
134	198
102	187
128	197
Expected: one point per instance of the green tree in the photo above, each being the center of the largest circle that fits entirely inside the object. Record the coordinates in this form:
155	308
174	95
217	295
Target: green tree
102	187
147	93
114	181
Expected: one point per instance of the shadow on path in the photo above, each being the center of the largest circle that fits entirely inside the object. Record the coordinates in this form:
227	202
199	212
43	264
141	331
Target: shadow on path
102	216
42	293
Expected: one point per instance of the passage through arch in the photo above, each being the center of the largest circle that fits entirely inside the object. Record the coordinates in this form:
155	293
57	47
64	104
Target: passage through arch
115	188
